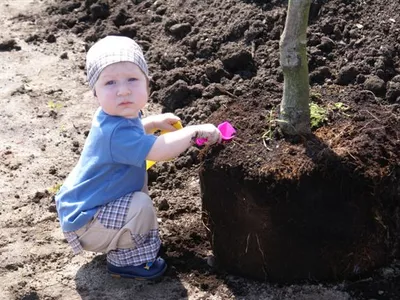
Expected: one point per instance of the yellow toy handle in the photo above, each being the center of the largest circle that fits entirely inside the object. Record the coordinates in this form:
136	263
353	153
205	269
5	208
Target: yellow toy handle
177	125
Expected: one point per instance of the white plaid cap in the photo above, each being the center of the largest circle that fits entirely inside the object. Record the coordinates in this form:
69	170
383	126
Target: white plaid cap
110	50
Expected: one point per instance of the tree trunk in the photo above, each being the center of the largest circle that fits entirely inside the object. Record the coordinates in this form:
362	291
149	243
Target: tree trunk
295	110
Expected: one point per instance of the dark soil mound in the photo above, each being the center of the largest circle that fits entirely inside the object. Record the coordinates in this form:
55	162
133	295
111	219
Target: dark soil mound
219	60
326	208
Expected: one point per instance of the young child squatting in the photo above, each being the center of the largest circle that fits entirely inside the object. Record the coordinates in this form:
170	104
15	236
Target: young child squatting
103	205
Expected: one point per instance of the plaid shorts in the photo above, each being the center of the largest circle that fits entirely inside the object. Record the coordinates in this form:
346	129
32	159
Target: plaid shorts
112	216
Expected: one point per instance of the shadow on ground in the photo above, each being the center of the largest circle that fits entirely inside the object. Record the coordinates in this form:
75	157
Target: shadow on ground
93	282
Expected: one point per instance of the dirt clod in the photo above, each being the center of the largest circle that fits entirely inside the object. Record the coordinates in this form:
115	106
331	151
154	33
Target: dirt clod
9	45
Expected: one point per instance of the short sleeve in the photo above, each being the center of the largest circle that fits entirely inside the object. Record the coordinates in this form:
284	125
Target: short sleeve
130	145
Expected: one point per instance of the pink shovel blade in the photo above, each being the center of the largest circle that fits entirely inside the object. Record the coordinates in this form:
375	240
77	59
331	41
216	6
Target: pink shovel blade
227	133
227	130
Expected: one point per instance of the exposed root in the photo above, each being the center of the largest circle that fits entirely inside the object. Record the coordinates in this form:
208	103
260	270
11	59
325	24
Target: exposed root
263	257
372	115
204	224
247	243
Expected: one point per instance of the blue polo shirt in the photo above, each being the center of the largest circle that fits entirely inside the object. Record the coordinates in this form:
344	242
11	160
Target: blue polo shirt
112	164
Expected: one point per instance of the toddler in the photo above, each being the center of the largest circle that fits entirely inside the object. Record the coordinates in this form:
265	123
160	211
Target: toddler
103	205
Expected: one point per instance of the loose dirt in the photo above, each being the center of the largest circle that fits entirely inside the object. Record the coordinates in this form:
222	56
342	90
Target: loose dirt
204	56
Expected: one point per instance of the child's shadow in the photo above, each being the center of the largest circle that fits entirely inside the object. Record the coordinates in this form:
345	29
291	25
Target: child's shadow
93	282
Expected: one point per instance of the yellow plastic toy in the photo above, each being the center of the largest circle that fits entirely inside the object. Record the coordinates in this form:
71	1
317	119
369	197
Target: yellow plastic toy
150	163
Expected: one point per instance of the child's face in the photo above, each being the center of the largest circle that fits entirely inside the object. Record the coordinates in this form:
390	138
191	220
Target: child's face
122	89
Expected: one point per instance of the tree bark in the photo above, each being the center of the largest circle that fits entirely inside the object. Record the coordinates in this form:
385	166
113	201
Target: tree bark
295	110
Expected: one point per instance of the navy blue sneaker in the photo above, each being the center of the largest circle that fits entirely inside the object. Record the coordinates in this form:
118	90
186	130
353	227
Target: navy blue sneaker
146	271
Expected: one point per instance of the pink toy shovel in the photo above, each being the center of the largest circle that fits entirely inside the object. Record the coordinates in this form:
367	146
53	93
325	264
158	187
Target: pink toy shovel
227	133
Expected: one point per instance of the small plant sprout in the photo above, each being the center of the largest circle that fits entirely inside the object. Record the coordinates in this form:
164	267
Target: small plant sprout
55	188
318	115
54	105
271	124
342	108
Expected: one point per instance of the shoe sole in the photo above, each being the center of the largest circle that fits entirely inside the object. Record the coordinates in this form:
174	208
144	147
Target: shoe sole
140	278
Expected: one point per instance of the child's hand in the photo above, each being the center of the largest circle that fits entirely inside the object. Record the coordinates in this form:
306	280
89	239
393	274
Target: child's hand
172	144
209	133
163	122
